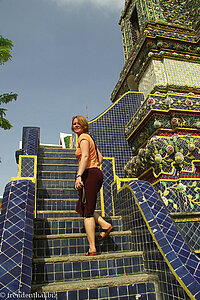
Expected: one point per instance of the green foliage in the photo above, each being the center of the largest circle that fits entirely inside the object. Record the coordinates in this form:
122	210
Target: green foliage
5	50
5	55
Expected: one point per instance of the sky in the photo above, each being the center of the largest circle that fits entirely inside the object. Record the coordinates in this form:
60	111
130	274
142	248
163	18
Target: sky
67	55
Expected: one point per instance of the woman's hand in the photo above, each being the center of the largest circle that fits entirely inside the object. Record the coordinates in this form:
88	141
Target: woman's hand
78	183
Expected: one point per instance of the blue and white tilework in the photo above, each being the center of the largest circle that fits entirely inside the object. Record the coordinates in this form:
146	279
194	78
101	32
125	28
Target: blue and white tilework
169	72
16	232
30	140
108	173
16	222
108	129
147	206
27	166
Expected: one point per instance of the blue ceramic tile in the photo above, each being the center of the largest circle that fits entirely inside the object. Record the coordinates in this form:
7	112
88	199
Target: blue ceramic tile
113	292
83	295
93	294
72	295
122	290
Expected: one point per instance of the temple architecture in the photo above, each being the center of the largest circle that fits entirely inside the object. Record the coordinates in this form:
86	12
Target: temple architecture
150	141
161	47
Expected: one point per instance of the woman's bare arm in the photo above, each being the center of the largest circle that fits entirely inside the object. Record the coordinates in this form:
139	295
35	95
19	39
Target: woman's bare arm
84	146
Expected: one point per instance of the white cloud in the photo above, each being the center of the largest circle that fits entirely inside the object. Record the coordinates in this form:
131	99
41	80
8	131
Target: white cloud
109	4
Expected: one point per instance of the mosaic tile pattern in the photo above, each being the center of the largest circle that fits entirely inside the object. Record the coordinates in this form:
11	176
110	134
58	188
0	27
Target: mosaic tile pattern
68	225
51	204
146	291
182	261
191	233
27	166
74	245
153	76
107	169
108	128
180	195
85	270
30	140
170	112
16	222
167	155
16	232
169	72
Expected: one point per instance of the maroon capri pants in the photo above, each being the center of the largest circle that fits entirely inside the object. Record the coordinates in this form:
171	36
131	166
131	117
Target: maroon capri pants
92	179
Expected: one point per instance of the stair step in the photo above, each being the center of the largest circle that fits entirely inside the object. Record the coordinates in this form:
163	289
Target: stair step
56	175
80	258
56	150
57	167
54	160
86	267
75	235
56	213
55	183
68	225
111	281
56	204
57	193
64	154
77	243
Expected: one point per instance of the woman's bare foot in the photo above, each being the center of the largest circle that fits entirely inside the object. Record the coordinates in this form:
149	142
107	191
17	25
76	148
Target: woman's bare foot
106	232
91	252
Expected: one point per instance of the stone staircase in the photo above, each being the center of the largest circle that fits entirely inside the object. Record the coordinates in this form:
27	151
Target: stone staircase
60	243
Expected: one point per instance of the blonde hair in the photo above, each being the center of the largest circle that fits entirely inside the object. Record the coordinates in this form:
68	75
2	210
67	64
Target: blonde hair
82	121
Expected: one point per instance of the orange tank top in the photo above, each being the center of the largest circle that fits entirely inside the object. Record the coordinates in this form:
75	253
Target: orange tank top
92	160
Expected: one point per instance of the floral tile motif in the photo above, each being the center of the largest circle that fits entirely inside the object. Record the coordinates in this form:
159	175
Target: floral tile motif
166	156
180	195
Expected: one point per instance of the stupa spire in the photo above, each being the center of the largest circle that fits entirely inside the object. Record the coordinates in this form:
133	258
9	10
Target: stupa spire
161	41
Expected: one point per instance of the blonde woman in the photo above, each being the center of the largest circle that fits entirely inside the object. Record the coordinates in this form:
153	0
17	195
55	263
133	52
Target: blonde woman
89	180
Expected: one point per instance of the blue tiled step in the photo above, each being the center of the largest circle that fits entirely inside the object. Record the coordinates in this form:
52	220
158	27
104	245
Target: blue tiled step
56	175
63	154
57	193
56	213
68	225
57	167
56	204
53	160
55	150
55	183
63	268
137	286
77	243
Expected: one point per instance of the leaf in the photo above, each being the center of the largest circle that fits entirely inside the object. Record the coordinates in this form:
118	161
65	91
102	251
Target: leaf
175	206
170	160
194	184
166	193
6	98
191	157
5	124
